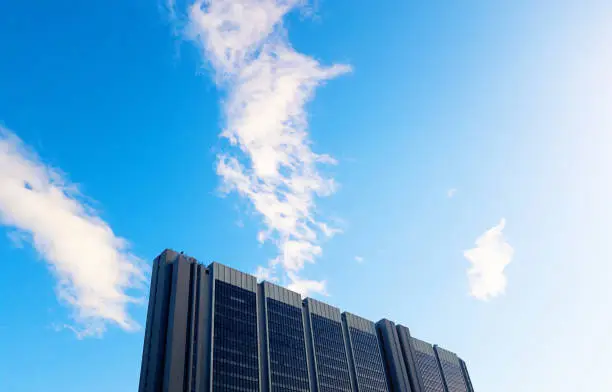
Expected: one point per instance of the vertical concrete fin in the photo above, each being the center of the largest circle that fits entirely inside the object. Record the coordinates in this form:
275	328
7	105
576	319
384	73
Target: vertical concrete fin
205	319
190	358
349	352
312	360
416	383
176	338
394	362
264	359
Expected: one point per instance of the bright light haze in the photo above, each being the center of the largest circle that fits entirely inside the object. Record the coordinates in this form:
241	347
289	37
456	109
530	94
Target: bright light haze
446	165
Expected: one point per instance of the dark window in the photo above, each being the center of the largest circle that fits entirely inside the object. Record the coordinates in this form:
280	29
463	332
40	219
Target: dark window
235	350
287	350
369	366
330	354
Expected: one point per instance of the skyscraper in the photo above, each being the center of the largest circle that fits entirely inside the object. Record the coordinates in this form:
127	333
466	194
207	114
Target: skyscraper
215	329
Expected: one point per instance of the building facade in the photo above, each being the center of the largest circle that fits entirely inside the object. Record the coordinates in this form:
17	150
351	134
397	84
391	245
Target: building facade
215	329
365	357
288	368
392	352
427	374
330	370
466	375
451	370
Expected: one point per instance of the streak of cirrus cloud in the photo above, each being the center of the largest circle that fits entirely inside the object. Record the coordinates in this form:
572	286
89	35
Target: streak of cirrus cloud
94	269
270	161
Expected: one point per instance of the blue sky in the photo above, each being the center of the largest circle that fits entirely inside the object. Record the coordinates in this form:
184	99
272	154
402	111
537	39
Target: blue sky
129	127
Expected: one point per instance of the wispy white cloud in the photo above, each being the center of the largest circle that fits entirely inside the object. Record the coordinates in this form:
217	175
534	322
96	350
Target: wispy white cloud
359	259
451	193
94	269
270	160
488	259
328	230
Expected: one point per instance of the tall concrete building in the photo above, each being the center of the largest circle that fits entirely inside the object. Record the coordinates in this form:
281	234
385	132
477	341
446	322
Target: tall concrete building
215	329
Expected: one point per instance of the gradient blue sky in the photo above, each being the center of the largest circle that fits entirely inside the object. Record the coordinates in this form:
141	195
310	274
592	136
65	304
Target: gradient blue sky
508	103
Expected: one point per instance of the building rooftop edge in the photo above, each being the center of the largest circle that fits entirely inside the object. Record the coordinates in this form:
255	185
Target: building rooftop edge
173	254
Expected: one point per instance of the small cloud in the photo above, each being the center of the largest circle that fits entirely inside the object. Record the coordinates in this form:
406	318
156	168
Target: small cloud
451	193
261	237
488	260
359	259
240	223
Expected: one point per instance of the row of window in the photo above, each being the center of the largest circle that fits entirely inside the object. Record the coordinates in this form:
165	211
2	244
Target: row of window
453	377
236	351
427	366
287	348
235	342
330	354
369	367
